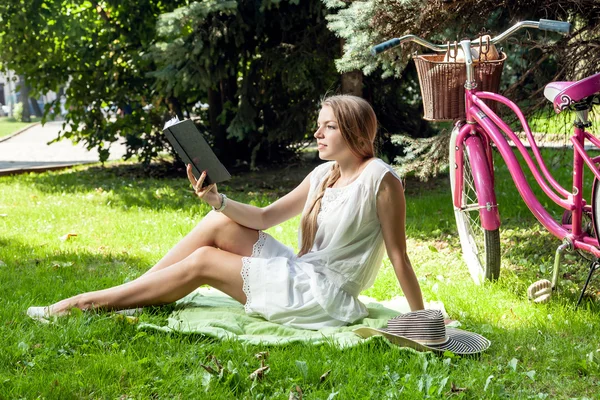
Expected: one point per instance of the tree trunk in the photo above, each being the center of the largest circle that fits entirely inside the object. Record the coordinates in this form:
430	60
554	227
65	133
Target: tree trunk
24	96
175	106
352	81
11	101
215	108
37	111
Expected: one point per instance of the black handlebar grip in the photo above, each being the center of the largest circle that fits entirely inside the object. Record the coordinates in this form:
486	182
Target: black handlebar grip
384	46
554	26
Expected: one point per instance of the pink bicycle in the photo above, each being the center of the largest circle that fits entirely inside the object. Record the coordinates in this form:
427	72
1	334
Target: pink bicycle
471	163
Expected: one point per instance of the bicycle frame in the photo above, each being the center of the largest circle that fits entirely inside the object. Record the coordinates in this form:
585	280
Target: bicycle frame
485	124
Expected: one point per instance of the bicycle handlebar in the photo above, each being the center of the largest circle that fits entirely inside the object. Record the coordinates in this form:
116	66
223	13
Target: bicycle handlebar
543	24
555	26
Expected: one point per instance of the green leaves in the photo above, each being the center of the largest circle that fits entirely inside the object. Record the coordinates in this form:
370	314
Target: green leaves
96	54
512	364
228	376
261	70
530	374
303	367
124	67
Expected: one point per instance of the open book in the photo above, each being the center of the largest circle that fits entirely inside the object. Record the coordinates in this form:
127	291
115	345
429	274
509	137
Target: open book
193	149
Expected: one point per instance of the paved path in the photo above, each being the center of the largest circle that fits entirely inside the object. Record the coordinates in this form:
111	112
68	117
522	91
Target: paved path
30	151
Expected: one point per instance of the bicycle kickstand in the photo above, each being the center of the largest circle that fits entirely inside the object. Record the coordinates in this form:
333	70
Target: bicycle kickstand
594	265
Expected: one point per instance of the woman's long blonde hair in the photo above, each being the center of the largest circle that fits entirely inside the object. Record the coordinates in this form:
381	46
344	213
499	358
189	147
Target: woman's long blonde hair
357	123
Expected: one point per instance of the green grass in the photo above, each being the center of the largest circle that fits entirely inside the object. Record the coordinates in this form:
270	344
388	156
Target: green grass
125	222
9	125
558	124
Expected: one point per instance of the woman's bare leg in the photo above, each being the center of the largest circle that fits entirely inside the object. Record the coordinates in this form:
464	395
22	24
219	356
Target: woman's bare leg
216	230
206	265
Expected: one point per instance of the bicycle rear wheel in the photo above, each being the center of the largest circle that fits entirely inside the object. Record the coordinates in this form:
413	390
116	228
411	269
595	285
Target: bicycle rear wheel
596	208
480	246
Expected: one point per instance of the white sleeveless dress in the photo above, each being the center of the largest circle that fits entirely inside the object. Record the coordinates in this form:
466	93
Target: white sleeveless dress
320	289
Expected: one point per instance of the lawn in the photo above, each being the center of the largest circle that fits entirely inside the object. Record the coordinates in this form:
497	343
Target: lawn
126	221
9	125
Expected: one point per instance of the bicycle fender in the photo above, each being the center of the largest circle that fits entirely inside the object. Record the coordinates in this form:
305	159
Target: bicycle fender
486	196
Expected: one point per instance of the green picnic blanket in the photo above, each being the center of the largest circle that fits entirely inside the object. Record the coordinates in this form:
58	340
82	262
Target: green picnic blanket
212	313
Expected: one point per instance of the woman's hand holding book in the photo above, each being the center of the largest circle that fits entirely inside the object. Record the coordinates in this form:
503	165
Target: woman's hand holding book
208	193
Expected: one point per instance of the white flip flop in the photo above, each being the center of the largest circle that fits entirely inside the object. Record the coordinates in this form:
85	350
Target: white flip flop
39	314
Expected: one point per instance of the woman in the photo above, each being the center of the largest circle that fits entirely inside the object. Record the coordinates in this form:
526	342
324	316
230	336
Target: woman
352	206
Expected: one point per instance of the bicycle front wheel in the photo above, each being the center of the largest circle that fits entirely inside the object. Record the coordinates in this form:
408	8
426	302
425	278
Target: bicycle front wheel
480	246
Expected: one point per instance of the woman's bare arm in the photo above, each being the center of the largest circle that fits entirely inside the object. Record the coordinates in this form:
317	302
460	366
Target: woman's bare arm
254	217
391	210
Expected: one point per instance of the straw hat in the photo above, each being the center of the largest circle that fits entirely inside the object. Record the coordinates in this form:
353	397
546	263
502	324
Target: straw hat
424	330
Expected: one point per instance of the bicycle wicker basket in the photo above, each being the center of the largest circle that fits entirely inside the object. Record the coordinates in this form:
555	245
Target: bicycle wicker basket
442	84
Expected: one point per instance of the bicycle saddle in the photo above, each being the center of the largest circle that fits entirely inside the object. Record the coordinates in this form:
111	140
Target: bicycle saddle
563	94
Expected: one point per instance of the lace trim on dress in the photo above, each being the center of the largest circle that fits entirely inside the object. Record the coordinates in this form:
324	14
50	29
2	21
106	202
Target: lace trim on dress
246	263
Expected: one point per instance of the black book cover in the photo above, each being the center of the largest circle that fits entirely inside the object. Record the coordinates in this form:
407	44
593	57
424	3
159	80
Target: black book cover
193	149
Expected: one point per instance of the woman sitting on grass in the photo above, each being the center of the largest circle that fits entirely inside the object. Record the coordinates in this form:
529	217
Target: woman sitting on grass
351	206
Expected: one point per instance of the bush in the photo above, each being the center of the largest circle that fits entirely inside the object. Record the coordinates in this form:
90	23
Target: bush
18	111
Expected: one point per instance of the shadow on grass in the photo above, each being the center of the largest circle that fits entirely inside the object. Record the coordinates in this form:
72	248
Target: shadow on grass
162	186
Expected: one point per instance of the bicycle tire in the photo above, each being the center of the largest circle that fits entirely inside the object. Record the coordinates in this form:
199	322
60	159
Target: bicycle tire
480	246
